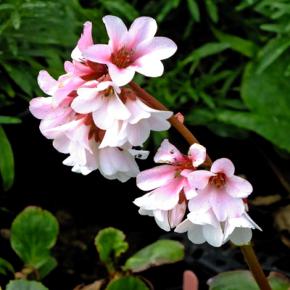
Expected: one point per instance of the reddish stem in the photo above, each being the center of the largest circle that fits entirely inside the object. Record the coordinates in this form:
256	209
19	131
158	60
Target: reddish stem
247	250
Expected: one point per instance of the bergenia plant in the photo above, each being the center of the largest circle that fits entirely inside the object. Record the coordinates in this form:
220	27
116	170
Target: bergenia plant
97	115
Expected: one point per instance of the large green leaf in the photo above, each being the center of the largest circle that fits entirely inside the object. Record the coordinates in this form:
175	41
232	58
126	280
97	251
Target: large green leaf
127	283
266	94
111	244
6	160
25	285
243	280
159	253
33	233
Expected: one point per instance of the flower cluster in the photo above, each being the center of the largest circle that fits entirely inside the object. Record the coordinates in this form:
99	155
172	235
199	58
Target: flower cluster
90	113
215	198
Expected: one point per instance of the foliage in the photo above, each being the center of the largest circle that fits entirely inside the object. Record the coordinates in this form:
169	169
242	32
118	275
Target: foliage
33	233
241	279
111	244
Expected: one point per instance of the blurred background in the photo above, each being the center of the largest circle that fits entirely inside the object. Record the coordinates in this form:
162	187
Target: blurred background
230	78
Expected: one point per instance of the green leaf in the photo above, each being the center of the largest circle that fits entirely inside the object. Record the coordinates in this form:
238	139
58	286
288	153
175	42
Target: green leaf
194	10
5	267
243	46
9	120
266	94
279	281
47	267
128	283
111	244
6	161
159	253
33	233
212	10
271	52
205	50
20	76
166	8
122	8
241	280
25	285
233	280
16	20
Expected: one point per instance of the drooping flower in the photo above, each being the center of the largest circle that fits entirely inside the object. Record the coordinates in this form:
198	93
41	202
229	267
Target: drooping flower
169	184
204	227
77	135
220	190
133	50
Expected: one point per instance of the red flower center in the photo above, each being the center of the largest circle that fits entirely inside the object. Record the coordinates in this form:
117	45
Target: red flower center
218	180
122	58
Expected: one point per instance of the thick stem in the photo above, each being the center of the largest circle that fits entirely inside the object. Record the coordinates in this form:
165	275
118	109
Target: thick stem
255	267
247	250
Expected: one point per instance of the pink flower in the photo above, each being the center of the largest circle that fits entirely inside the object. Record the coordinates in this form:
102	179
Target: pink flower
204	227
168	183
220	190
133	50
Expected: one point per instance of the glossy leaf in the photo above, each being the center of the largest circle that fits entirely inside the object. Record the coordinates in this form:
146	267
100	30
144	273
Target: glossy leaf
6	161
159	253
241	280
128	283
111	244
25	285
33	233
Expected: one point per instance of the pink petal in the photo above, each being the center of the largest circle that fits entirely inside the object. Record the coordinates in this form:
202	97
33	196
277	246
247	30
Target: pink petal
197	153
117	109
137	112
201	202
223	165
158	48
162	220
199	179
41	107
142	29
86	39
162	198
87	101
138	133
225	206
116	30
121	76
167	153
100	53
155	177
62	144
149	66
238	187
101	117
176	215
46	82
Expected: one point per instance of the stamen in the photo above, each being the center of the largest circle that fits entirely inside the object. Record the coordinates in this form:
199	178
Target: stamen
122	58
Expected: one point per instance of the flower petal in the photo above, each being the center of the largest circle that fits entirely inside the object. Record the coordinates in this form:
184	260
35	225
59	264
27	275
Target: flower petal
47	83
167	153
238	187
117	109
223	165
142	29
149	66
199	179
41	107
116	30
213	235
197	153
155	177
121	76
100	53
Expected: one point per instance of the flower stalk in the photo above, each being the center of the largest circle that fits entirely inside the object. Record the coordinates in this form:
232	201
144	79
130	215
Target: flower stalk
247	250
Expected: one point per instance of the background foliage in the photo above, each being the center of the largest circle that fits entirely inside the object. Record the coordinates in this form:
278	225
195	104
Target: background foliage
230	74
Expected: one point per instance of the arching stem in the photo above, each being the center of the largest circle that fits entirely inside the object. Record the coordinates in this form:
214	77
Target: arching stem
247	250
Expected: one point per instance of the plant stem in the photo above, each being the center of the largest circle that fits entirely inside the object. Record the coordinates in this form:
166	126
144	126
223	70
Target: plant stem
247	250
255	266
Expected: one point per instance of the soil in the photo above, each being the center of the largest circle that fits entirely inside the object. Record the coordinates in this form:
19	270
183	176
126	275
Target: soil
86	204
